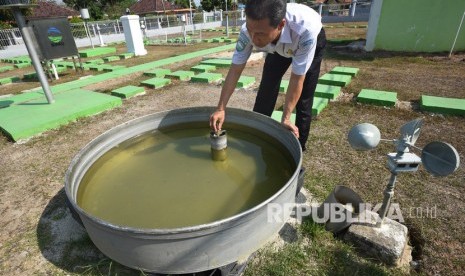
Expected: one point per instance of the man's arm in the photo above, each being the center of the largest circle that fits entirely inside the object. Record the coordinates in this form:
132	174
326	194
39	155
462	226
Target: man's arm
217	118
293	93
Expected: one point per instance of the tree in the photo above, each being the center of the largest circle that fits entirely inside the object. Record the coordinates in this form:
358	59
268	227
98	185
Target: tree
184	3
95	7
209	5
115	9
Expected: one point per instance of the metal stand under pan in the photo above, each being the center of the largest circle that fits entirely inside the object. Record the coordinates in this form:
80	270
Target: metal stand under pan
234	269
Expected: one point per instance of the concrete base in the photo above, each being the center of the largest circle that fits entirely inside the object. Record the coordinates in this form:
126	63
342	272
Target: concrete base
388	243
382	98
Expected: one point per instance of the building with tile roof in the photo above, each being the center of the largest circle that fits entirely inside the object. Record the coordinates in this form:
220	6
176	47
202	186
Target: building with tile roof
51	9
145	7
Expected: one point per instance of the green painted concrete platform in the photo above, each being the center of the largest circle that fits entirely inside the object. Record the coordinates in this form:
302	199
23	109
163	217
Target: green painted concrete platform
283	86
99	67
277	115
351	71
65	64
97	52
156	82
318	105
452	106
38	93
181	75
203	68
335	79
113	68
157	72
245	81
376	97
33	75
6	68
30	75
126	55
128	91
111	58
207	77
33	117
22	65
218	62
8	80
95	61
327	91
19	98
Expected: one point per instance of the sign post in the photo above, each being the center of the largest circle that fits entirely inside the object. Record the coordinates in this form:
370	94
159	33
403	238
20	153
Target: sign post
15	7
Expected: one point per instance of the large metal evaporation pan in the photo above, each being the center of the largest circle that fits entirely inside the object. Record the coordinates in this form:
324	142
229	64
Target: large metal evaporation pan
188	249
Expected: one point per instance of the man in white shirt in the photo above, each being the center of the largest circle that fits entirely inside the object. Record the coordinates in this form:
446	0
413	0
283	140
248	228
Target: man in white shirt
290	34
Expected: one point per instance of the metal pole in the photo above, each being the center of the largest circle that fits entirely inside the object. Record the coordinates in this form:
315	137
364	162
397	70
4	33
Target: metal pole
352	8
320	8
458	31
54	69
86	27
32	53
102	44
192	18
388	193
227	18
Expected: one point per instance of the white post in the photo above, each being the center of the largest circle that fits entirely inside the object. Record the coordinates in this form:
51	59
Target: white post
86	28
100	37
458	31
203	15
192	18
352	8
93	29
133	35
227	18
320	8
117	24
54	69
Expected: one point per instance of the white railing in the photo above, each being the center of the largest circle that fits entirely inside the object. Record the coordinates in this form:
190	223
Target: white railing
100	32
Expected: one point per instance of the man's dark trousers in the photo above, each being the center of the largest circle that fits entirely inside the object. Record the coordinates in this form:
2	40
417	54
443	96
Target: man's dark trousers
273	71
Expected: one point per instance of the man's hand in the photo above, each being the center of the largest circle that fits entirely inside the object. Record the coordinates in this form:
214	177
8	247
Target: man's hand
289	125
216	120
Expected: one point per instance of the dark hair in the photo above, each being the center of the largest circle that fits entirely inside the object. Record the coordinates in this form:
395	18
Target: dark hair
274	10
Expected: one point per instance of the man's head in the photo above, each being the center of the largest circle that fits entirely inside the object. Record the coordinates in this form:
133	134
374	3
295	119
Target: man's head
265	20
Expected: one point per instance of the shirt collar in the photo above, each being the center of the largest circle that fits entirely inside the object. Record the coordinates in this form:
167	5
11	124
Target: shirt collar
285	34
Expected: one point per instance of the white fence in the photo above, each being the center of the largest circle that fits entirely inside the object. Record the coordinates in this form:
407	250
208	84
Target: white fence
102	32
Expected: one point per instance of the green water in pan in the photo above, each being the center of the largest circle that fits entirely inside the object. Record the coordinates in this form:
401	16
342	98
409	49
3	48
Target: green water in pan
167	178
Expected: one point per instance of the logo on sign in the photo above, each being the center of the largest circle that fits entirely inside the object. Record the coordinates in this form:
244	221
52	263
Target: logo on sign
55	36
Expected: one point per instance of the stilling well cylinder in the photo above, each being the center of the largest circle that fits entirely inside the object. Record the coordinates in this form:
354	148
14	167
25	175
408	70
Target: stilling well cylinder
219	144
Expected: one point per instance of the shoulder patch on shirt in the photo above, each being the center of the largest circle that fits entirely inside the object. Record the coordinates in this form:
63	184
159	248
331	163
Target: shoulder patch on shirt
242	42
306	43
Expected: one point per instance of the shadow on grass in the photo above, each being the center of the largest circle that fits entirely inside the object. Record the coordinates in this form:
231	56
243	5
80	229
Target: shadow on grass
65	243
